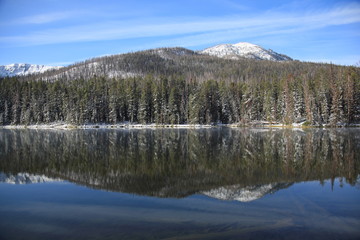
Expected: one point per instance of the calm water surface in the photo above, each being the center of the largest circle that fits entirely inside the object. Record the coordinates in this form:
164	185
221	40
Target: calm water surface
180	184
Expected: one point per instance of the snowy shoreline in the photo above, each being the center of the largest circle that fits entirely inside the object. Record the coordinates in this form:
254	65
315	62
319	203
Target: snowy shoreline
66	126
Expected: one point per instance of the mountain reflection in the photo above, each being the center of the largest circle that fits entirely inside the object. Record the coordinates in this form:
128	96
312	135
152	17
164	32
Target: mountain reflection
223	163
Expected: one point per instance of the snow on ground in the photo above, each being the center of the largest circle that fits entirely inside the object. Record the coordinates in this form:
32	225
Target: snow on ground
65	126
262	126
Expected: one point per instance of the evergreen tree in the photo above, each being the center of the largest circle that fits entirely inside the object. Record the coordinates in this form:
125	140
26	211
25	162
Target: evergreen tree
146	102
179	89
174	105
133	96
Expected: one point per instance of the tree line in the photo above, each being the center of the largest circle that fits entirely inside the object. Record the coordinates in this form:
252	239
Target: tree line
329	99
177	86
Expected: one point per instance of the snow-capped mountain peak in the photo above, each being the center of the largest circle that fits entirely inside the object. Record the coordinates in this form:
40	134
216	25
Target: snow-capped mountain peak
245	194
22	69
244	50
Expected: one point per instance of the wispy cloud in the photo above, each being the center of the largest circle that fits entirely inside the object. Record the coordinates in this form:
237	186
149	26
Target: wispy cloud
193	31
47	17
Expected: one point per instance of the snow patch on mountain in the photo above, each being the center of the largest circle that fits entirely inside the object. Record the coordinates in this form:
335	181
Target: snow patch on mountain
168	53
22	69
244	50
244	194
25	178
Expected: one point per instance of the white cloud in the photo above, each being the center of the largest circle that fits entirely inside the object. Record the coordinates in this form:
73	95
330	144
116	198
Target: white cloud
46	17
193	31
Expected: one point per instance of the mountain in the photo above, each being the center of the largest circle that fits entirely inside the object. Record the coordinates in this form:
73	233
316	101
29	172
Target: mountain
139	64
22	69
159	61
180	86
244	50
165	62
245	194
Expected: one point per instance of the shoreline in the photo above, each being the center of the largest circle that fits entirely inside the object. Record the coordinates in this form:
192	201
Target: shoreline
66	126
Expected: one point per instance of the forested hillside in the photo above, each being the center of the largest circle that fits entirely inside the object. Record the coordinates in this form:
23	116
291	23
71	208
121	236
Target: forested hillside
176	86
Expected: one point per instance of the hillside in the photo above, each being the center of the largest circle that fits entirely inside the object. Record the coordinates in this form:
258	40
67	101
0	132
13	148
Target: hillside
160	61
178	86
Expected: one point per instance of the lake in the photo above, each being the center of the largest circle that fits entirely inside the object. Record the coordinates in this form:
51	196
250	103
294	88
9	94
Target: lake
218	183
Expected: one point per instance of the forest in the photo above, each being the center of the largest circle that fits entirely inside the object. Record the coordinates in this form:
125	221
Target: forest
177	86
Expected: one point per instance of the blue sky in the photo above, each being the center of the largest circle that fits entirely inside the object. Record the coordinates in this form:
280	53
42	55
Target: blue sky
61	32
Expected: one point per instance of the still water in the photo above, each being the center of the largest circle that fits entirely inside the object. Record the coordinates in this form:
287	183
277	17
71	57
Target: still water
216	183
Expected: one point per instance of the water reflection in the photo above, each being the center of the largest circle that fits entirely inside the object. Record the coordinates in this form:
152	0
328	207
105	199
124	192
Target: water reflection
25	178
232	164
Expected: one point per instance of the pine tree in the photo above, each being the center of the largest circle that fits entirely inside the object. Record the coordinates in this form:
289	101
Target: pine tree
133	97
335	110
225	111
288	100
146	102
349	95
195	106
174	105
16	109
308	101
6	115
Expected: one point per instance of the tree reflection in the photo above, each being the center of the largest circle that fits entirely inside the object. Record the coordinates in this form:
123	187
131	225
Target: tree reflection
179	162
